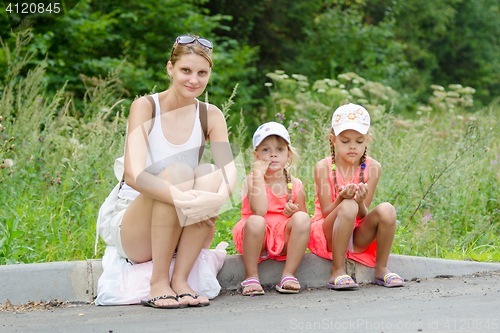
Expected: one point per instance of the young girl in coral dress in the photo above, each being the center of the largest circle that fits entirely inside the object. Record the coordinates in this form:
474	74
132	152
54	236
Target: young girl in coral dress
342	225
274	222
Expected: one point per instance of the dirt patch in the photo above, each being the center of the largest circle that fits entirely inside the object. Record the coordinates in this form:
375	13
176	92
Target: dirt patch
39	306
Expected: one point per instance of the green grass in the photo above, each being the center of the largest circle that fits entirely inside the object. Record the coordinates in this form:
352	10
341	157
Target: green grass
441	168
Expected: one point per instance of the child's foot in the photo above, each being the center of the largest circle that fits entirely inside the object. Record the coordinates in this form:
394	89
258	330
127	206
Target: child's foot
389	280
251	286
340	280
343	282
160	290
187	296
288	285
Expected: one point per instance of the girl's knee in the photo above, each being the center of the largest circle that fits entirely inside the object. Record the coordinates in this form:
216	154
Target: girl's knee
255	225
301	222
348	209
387	213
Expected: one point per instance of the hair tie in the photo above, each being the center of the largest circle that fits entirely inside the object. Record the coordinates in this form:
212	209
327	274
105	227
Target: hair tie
289	185
334	167
363	166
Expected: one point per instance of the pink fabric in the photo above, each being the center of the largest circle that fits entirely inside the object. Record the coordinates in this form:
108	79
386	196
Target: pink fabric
275	222
317	241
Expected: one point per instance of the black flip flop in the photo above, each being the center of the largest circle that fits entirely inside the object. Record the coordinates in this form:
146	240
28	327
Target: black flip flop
194	297
151	302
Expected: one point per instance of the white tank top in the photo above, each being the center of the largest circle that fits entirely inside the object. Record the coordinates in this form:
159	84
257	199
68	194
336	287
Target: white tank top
162	153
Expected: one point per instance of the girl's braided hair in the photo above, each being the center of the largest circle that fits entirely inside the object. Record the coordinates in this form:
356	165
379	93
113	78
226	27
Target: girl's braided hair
288	184
362	161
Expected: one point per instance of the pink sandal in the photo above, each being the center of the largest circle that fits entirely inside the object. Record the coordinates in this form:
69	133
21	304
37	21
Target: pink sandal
252	282
285	279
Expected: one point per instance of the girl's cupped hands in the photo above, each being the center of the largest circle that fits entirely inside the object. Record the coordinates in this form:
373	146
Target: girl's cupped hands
348	191
361	193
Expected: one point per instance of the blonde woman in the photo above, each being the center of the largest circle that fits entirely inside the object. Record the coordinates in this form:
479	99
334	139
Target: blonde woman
168	202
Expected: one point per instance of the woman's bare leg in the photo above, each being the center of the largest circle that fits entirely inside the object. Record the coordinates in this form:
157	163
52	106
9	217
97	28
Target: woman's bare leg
193	238
150	230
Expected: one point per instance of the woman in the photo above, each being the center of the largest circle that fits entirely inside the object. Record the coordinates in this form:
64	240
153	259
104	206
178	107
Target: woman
171	202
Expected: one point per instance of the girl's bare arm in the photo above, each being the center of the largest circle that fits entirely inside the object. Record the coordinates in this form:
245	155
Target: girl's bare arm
323	188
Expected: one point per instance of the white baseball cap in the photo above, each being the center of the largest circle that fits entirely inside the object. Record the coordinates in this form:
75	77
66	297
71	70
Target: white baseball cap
270	128
351	117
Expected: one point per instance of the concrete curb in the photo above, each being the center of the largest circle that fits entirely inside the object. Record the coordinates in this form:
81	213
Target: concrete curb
77	280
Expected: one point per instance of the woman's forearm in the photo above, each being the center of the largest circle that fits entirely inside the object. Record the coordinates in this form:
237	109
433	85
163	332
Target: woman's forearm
158	188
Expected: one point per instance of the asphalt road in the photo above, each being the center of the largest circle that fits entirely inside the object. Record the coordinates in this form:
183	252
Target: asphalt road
468	303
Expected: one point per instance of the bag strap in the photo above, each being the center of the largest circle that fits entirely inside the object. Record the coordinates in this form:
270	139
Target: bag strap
153	112
204	126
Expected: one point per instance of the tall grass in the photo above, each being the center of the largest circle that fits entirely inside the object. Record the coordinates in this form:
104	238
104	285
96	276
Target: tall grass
440	167
62	165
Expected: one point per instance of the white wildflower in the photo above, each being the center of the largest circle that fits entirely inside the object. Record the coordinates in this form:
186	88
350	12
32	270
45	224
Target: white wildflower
455	86
299	77
436	87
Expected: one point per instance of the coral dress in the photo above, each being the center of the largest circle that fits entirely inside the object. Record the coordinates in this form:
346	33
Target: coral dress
317	241
275	222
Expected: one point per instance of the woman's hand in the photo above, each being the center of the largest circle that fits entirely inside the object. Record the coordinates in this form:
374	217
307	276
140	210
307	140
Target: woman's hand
203	207
361	193
290	209
347	192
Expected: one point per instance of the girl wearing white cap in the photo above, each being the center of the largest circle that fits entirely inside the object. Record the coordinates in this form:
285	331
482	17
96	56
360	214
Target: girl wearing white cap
342	225
274	221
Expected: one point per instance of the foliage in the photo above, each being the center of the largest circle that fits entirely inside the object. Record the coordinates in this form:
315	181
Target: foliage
340	41
96	37
63	124
430	163
451	41
60	171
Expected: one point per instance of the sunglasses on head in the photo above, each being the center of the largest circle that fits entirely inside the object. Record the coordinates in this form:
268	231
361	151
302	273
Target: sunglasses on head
185	39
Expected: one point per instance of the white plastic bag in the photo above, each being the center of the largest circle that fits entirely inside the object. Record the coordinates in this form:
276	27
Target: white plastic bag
123	283
108	206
